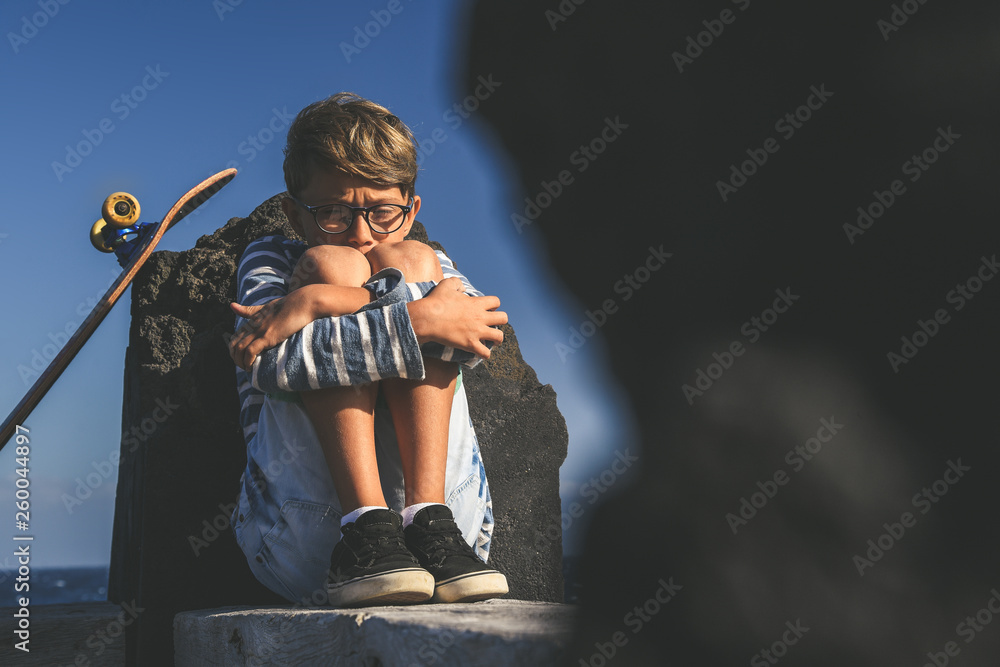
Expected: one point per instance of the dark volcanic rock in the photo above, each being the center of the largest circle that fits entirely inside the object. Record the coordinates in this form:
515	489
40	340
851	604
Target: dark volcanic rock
173	548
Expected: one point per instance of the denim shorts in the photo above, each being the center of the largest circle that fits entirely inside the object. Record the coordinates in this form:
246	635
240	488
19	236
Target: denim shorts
287	519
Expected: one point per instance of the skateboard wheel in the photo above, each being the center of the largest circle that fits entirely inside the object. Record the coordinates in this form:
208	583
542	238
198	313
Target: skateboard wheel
97	236
120	209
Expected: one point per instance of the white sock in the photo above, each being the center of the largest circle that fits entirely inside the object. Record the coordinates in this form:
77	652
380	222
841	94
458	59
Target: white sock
411	511
353	516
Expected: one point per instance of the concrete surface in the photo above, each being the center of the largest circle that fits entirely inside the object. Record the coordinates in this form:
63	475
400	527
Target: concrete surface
496	632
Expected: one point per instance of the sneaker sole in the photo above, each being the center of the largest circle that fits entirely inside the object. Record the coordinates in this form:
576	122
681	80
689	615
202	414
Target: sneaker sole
471	587
407	586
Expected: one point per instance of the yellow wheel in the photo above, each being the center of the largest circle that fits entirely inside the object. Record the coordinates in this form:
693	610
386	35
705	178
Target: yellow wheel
120	209
97	238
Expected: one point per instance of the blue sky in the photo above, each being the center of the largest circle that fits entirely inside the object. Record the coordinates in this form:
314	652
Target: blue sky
151	98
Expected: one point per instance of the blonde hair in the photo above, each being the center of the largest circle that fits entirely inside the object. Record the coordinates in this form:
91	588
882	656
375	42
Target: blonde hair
354	135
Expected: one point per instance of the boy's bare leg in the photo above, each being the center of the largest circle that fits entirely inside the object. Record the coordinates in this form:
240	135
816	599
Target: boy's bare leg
345	425
343	417
421	409
421	412
370	563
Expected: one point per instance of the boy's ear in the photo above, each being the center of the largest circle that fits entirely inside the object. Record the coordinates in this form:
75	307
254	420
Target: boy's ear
413	214
292	213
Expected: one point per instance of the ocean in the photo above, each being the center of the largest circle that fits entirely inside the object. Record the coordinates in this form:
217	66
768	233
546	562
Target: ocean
56	586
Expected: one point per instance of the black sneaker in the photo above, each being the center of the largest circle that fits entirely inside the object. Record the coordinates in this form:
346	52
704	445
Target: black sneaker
459	574
371	565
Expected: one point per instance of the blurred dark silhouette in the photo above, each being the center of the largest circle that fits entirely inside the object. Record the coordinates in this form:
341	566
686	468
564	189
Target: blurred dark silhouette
910	461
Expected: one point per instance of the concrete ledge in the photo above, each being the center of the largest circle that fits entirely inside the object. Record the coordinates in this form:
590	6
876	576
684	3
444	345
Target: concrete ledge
496	632
85	634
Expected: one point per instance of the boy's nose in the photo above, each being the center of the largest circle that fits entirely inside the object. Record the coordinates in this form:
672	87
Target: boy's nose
359	235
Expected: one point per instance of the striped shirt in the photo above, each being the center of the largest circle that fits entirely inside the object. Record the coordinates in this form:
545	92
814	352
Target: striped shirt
375	343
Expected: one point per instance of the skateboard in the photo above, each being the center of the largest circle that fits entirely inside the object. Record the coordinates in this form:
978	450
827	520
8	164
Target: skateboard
119	232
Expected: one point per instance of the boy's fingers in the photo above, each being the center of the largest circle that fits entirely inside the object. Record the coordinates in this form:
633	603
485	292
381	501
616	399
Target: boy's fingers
253	350
488	302
246	312
495	335
238	350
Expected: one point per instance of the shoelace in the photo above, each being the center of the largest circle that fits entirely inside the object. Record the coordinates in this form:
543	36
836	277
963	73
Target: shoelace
386	544
446	540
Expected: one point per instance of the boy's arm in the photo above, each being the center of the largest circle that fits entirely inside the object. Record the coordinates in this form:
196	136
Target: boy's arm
437	350
380	341
267	325
376	343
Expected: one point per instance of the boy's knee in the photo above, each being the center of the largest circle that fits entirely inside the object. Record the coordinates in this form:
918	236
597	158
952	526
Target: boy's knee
416	260
331	265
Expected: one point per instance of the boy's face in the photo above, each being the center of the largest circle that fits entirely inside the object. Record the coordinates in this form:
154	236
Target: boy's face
336	187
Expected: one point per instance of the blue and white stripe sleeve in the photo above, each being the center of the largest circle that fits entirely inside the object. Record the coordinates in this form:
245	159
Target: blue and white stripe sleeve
449	271
262	276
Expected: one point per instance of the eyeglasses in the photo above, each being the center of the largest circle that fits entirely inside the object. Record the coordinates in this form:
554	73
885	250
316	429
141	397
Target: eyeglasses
338	218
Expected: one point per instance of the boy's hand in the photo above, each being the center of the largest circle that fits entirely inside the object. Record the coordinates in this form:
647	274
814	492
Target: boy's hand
449	316
268	325
275	321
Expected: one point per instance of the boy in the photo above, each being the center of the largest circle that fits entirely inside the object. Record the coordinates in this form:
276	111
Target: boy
364	414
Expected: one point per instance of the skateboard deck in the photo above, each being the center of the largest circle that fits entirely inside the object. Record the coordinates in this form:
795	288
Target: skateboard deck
191	200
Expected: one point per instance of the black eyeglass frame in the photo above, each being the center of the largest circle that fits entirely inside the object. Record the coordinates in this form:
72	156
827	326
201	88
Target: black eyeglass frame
354	212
